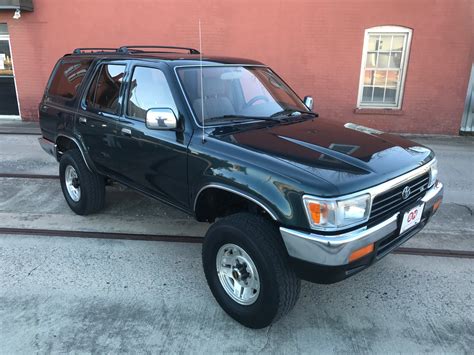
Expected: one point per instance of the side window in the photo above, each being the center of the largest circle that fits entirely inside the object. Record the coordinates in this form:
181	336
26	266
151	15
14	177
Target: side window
67	78
104	92
148	89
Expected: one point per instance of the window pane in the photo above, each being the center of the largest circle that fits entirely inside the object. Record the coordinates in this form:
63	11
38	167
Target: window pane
385	42
371	60
390	94
67	78
395	59
373	42
369	78
3	29
380	76
148	89
105	90
398	42
378	94
383	68
383	60
6	64
367	94
392	77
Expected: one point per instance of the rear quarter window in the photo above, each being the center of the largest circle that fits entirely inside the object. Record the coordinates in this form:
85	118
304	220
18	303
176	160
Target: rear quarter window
67	78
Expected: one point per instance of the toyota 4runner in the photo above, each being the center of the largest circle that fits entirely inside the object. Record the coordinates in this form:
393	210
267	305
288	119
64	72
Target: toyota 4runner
292	195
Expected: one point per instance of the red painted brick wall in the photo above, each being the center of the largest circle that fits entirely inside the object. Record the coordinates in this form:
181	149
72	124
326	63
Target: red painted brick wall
315	45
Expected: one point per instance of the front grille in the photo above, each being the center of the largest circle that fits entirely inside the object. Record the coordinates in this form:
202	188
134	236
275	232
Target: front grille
389	202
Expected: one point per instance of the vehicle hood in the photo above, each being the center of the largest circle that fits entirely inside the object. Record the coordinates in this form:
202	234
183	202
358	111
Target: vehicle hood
349	156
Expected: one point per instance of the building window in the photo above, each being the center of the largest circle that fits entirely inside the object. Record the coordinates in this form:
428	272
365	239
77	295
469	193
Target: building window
383	69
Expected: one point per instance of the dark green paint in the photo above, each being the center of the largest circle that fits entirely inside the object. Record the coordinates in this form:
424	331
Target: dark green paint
273	163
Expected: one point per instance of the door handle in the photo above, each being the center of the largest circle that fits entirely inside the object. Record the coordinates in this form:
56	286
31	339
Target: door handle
126	132
82	120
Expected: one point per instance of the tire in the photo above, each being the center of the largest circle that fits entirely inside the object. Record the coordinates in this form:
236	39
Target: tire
258	239
87	195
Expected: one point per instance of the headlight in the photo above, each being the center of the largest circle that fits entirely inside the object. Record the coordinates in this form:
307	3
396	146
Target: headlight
433	173
333	214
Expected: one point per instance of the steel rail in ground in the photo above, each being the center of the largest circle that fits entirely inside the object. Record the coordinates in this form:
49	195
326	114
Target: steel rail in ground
464	254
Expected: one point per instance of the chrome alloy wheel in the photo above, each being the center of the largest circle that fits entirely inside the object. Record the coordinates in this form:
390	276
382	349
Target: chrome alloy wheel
238	274
72	183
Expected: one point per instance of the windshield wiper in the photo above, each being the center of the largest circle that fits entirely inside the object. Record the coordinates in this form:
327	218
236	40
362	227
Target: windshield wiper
239	117
294	113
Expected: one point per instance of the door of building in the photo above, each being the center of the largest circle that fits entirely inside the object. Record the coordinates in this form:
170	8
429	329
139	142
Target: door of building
8	96
467	123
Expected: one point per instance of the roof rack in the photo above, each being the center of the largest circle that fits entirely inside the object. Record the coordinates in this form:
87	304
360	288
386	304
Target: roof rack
133	50
93	50
139	49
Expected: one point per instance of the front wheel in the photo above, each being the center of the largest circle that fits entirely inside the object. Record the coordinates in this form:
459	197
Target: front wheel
246	267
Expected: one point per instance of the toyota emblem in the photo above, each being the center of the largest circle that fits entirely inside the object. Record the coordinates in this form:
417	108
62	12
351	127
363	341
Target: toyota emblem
406	192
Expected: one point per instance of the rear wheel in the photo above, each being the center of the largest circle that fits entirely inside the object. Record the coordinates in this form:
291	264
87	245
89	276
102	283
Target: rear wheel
246	267
83	189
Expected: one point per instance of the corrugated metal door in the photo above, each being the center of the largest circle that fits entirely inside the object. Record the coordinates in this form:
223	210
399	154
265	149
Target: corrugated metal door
467	123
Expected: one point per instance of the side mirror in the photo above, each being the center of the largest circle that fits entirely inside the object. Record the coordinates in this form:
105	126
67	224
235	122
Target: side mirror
308	102
161	118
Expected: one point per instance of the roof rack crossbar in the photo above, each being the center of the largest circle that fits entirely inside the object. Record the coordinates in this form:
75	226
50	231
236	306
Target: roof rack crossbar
130	49
92	50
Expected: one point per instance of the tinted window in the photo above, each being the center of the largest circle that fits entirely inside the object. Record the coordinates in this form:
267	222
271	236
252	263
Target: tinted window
68	77
104	92
148	89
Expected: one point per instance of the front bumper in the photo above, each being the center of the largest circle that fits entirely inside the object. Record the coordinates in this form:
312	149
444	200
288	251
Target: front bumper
325	258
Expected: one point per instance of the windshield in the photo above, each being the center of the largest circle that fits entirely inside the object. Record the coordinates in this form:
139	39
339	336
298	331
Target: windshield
237	92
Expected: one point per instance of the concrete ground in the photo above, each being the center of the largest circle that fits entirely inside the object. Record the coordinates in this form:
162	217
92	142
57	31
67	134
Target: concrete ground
108	296
61	294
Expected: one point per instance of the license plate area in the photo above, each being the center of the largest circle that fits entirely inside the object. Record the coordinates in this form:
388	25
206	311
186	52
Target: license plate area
411	217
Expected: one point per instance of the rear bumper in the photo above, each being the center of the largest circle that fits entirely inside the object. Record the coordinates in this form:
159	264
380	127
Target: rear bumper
49	147
325	258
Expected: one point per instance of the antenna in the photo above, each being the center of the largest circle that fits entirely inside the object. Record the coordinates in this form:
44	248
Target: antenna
202	91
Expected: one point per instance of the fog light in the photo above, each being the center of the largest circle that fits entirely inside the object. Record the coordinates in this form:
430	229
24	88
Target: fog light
359	253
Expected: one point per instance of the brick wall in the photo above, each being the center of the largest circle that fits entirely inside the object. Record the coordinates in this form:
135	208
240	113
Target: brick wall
316	46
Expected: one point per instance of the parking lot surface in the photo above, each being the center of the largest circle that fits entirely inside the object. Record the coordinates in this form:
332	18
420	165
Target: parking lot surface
89	295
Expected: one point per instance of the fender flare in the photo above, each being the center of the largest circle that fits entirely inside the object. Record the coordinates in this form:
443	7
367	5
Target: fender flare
84	154
270	212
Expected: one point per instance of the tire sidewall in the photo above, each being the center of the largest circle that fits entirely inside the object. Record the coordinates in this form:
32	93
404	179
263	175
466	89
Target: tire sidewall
79	206
265	308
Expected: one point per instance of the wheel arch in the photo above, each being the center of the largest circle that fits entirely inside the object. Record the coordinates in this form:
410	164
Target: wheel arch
205	197
66	142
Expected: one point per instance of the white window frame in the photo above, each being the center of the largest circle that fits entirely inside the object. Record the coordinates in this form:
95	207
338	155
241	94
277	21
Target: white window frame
390	30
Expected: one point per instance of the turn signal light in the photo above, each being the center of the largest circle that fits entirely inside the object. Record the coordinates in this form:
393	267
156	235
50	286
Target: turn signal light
359	253
315	210
436	205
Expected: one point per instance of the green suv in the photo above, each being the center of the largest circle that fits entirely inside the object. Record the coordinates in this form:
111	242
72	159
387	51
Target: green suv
291	195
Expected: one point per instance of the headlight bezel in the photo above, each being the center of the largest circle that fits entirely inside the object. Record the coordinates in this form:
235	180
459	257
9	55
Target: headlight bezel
335	207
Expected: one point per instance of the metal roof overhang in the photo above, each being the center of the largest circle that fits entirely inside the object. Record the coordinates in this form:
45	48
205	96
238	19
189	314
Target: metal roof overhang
24	5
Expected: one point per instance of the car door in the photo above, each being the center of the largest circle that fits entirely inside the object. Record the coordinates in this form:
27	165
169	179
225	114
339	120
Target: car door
154	161
98	114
